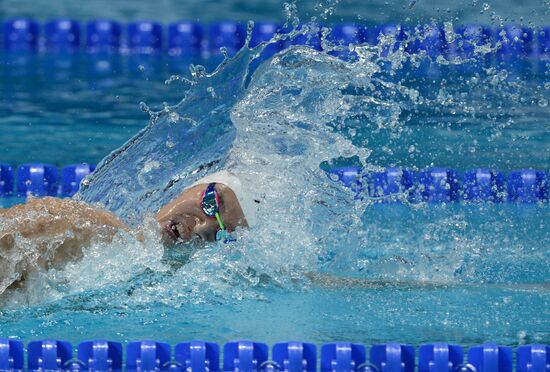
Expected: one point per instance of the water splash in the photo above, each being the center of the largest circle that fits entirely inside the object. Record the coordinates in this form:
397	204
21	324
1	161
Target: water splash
274	128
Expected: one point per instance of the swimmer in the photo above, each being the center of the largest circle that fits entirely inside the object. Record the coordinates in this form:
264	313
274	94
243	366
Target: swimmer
208	210
204	211
60	229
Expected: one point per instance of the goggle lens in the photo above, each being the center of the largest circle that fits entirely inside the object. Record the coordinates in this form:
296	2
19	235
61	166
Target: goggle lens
210	204
211	207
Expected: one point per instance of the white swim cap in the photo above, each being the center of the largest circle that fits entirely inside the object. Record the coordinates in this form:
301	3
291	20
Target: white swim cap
244	196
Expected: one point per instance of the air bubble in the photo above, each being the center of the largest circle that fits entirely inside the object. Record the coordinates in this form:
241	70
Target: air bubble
211	91
173	117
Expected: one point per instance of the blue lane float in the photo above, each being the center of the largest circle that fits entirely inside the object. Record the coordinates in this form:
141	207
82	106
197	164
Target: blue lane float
391	36
6	180
42	179
343	356
527	186
348	33
22	34
247	356
50	355
483	185
434	185
491	357
71	176
12	355
227	34
470	37
392	357
264	31
144	37
36	180
198	356
431	40
544	42
62	35
100	355
530	358
185	38
295	356
244	356
440	357
441	185
437	185
103	36
147	356
516	41
312	39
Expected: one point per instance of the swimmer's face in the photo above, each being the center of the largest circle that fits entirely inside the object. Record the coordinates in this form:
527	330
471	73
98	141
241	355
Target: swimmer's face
183	219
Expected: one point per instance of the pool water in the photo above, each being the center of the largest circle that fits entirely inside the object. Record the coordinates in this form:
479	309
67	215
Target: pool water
373	11
323	266
93	110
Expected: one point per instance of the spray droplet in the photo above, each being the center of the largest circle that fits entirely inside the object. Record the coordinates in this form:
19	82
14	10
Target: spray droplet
173	117
171	79
543	102
197	71
141	68
211	91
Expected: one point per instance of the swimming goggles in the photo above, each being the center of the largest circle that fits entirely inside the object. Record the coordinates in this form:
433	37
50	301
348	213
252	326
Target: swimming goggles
210	205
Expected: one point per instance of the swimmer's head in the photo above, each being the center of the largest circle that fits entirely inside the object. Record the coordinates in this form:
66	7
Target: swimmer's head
184	220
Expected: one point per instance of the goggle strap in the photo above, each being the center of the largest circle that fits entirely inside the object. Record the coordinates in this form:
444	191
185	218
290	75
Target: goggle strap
219	219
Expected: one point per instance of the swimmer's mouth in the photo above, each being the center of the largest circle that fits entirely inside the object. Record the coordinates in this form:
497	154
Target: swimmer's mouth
172	231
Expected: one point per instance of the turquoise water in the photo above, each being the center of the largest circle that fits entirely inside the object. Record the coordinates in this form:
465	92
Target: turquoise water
93	114
319	266
375	11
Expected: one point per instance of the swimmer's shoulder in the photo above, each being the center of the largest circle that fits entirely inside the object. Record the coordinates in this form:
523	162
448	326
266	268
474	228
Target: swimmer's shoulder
50	207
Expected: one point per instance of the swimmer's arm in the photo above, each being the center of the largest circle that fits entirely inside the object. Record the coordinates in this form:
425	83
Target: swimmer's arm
39	216
61	226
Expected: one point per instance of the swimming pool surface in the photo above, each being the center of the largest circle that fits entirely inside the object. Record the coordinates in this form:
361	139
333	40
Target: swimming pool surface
326	267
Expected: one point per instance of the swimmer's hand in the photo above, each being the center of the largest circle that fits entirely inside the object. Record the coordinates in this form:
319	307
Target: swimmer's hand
49	232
